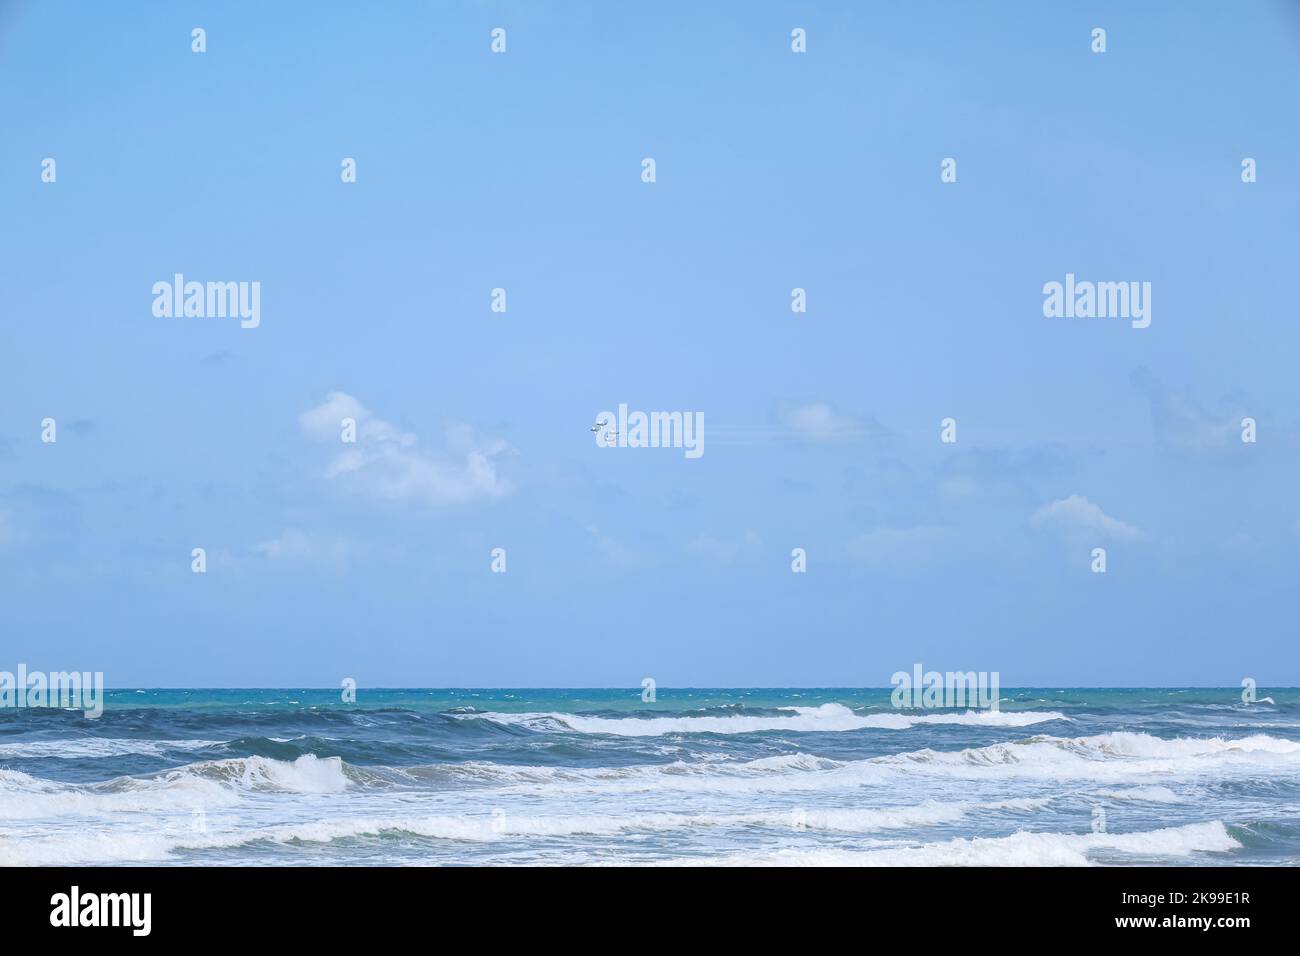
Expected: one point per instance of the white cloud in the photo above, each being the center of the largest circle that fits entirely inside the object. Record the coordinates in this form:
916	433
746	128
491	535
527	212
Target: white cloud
293	545
386	462
1077	513
724	551
899	546
957	487
1183	425
323	423
818	421
615	551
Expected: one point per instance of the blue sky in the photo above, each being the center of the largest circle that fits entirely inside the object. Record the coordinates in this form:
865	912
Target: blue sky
775	170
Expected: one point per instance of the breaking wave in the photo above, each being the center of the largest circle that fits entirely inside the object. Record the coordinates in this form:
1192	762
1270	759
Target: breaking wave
828	718
1019	849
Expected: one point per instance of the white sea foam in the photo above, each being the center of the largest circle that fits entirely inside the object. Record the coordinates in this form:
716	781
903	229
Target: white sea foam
717	804
306	774
788	772
1120	758
1113	756
1022	848
1020	803
494	827
1019	849
1045	760
205	785
76	747
159	842
828	718
23	797
1141	794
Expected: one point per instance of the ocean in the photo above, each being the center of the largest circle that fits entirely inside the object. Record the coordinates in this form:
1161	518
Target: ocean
767	776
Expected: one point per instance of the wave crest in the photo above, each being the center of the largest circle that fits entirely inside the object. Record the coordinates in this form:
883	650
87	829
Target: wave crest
827	718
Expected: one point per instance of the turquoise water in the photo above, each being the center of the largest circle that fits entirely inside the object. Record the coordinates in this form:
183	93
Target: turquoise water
598	776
